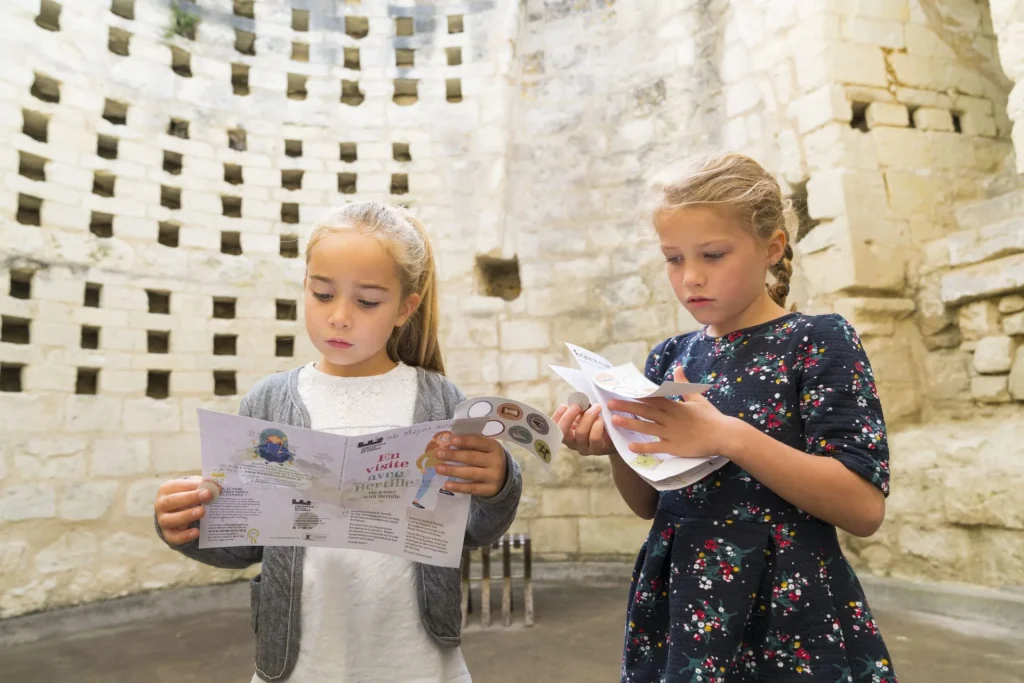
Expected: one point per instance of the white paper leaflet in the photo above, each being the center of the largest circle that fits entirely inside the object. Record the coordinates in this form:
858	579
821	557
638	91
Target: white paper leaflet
285	486
602	382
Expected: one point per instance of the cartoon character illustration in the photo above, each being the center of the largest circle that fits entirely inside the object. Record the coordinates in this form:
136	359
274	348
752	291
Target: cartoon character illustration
427	465
273	446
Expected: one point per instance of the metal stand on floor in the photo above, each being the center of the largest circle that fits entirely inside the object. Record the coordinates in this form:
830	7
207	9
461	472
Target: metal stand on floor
510	545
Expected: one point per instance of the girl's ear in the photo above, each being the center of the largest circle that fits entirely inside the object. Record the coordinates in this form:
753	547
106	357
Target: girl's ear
776	247
408	307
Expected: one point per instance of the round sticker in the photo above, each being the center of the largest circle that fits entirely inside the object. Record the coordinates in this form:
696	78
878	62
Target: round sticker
539	424
510	411
520	434
543	451
480	409
493	428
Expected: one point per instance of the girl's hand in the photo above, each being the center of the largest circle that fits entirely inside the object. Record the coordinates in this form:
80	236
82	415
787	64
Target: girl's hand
584	433
177	505
693	428
478	460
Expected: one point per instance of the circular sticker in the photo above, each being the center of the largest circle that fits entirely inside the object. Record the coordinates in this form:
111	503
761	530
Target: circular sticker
480	409
520	434
493	428
510	411
306	520
543	451
539	424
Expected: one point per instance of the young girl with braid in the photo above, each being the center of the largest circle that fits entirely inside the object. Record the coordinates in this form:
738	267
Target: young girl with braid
741	577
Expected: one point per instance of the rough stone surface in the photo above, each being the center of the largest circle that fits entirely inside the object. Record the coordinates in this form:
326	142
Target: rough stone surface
993	355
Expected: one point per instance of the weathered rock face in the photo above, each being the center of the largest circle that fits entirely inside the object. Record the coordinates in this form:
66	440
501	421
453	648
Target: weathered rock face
158	190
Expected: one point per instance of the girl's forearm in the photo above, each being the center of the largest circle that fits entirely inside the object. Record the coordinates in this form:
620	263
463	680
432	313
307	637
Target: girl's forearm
640	496
819	485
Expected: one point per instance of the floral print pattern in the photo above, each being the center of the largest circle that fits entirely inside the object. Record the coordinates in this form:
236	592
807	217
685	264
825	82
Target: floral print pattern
734	583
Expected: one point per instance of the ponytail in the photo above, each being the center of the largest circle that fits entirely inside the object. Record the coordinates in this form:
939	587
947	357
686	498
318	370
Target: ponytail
415	343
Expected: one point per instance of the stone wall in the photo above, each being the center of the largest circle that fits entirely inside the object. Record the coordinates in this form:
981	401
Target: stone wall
1008	20
521	133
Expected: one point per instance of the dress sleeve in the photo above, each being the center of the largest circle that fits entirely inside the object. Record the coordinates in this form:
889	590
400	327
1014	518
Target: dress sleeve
839	406
663	357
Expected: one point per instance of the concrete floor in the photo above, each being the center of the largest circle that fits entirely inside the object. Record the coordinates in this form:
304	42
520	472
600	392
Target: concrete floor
577	638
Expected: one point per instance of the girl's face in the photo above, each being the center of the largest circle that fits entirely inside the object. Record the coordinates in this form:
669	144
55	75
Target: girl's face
717	267
353	302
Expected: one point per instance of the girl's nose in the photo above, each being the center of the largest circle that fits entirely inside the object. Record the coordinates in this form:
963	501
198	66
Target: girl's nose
340	316
693	277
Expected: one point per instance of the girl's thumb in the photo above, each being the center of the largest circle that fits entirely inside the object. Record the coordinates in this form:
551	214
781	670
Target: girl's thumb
680	376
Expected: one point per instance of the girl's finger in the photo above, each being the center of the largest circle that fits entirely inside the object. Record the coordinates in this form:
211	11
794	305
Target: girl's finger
637	408
468	473
471	458
598	436
180	520
680	376
473	489
640	426
559	412
472	442
181	537
647	447
565	424
183	500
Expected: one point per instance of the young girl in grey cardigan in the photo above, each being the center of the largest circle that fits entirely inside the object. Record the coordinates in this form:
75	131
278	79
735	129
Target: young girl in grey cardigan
326	614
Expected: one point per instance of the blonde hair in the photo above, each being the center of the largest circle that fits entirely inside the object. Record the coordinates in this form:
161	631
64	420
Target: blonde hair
738	184
405	240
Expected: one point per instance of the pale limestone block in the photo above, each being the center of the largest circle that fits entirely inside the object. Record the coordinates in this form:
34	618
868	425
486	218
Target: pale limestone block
973	246
86	500
522	335
978	319
612	535
607	501
1013	325
1001	276
990	388
978	125
1011	304
627	292
824	105
922	41
518	367
555	535
887	114
1015	384
138	501
151	415
564	502
92	413
930	118
994	355
125	547
14	554
27	501
119	456
880	32
72	550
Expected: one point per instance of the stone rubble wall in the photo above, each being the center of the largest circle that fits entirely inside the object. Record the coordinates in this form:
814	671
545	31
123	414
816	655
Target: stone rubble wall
1008	21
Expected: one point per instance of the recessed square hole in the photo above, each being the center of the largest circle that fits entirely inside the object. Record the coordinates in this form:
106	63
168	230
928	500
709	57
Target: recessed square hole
115	112
170	197
103	183
351	94
88	381
106	146
117	41
101	224
399	183
352	58
158	341
31	166
498	277
293	148
168	234
400	151
243	8
178	128
240	79
405	91
245	42
172	162
224	383
455	23
859	120
291	179
223	307
29	210
290	246
237	139
231	206
300	20
284	347
297	87
403	26
300	52
35	125
49	15
347	183
453	89
233	174
454	55
225	344
347	151
14	330
286	309
159	301
90	338
21	284
357	27
10	377
181	62
957	125
92	295
231	243
289	212
123	8
158	384
45	88
405	57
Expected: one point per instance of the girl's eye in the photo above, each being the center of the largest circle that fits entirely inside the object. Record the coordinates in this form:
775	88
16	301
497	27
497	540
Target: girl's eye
322	297
674	259
369	304
716	256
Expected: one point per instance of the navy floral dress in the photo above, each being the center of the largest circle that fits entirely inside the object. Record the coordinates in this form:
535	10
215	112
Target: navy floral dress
734	584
